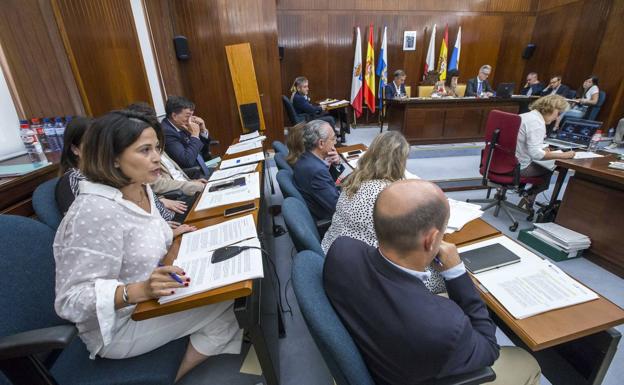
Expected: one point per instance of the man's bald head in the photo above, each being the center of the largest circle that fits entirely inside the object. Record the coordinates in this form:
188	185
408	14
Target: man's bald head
407	209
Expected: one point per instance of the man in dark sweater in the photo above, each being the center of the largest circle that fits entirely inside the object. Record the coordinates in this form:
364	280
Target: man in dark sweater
405	333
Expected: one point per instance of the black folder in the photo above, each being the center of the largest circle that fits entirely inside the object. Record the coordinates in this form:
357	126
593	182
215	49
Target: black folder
488	257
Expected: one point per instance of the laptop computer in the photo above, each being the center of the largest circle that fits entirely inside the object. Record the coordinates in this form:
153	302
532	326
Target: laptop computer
574	133
504	90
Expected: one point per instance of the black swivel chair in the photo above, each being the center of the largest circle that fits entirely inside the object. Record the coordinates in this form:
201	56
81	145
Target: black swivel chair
592	111
290	111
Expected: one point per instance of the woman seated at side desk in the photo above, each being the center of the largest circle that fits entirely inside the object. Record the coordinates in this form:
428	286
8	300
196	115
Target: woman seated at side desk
109	247
383	163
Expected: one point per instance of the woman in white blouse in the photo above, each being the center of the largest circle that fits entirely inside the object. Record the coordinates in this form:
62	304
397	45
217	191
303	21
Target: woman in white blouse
383	163
109	246
588	97
530	146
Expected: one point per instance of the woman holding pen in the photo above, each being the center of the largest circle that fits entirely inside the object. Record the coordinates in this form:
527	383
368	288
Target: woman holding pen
109	246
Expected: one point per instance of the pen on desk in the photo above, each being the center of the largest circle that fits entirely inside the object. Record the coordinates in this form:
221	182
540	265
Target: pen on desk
437	260
173	275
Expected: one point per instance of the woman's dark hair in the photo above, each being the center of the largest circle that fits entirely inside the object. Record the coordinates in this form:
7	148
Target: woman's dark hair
581	91
72	138
594	79
450	75
143	108
106	140
175	105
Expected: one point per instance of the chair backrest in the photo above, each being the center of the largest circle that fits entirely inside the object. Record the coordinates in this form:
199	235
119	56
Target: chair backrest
290	111
301	226
592	111
28	273
286	184
408	91
331	337
280	147
44	203
503	161
425	91
280	161
570	94
460	90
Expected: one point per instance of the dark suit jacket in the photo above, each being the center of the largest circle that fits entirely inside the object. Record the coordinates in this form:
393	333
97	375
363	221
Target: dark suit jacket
390	91
406	334
537	89
304	107
314	182
472	84
562	90
182	147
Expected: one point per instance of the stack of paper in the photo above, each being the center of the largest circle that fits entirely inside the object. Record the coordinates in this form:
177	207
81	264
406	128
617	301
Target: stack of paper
531	286
253	158
461	213
250	144
251	135
230	172
196	251
247	192
353	159
339	103
561	237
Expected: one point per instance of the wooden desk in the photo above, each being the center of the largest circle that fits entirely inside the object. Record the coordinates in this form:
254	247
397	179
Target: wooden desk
445	120
474	231
593	204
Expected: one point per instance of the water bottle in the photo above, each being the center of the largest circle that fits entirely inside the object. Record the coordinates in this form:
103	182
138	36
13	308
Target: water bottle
33	147
37	127
59	127
611	132
50	133
593	145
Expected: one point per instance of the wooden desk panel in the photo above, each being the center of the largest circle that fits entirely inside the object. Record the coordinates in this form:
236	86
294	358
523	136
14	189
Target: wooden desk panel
474	231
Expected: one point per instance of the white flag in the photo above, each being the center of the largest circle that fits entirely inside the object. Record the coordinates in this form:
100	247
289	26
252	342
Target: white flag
356	81
430	61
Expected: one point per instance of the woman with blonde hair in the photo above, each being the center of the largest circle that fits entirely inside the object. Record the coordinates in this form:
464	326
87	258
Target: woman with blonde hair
383	163
530	145
294	143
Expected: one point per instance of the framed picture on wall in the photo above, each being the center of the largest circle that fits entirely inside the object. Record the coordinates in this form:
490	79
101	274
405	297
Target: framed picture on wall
409	41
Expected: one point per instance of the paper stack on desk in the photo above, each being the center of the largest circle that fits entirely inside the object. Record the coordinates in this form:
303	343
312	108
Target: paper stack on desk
250	144
196	251
247	192
461	213
253	158
561	237
230	172
339	103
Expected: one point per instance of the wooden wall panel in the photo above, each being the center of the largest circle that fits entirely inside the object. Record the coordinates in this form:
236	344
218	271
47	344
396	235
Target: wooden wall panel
102	45
450	6
36	62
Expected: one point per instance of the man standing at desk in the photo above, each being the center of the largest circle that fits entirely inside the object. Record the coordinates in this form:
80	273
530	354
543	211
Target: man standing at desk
479	86
396	89
407	334
533	87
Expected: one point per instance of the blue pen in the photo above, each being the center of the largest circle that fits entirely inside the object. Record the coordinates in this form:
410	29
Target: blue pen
437	260
173	275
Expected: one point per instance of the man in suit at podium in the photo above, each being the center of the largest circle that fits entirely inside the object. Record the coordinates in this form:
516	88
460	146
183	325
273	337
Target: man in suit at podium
479	86
396	88
533	86
187	140
556	88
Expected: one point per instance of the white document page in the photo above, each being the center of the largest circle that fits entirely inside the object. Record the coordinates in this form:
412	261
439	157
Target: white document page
339	103
198	243
461	213
253	158
251	135
229	172
352	160
206	275
581	154
244	146
532	286
248	192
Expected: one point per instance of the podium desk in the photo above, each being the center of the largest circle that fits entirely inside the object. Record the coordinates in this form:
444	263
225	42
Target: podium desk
593	204
445	120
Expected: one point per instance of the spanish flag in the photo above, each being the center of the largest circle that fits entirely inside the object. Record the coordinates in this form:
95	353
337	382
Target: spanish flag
369	75
443	55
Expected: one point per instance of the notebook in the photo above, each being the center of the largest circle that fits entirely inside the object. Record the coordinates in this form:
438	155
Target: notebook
488	257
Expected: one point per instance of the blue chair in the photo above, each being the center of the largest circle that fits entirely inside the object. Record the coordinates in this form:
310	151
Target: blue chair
36	346
293	117
331	337
44	203
280	147
592	111
280	161
334	341
301	226
287	185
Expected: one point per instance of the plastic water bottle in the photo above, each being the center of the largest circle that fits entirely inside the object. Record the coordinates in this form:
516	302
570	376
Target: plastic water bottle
59	127
611	132
33	147
50	133
37	127
593	145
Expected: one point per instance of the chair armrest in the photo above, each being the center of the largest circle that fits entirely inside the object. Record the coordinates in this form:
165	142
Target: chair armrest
473	378
36	341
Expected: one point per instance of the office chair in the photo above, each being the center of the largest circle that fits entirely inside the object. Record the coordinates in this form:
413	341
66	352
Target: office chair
288	188
499	166
331	337
38	347
280	147
249	114
290	111
44	204
280	161
301	226
592	111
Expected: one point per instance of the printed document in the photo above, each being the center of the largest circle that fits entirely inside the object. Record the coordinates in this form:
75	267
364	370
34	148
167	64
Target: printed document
206	275
198	243
244	146
251	135
531	286
253	158
461	213
249	191
229	172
